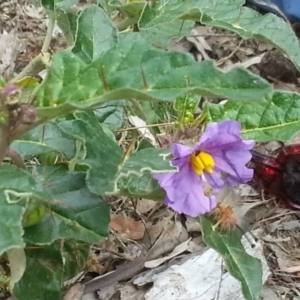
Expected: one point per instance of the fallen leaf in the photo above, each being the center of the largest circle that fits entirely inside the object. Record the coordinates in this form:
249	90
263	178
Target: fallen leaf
127	227
75	292
145	205
17	264
177	250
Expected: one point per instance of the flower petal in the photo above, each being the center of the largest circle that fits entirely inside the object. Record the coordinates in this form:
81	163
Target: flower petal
221	134
214	180
233	162
185	192
180	151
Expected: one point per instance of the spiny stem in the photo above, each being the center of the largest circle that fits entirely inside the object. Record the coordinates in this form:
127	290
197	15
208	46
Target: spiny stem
4	142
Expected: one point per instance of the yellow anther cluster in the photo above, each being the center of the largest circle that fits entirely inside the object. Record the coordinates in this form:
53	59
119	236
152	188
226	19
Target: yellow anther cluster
202	162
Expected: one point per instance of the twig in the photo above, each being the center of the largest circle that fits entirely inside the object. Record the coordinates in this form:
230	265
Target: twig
126	271
146	126
222	60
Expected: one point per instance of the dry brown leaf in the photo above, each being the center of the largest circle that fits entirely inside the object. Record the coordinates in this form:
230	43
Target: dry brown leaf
294	269
93	264
145	205
75	292
172	235
290	87
176	251
127	227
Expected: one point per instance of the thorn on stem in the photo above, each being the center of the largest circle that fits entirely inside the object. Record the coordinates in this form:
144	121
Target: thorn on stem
144	78
188	81
181	26
103	79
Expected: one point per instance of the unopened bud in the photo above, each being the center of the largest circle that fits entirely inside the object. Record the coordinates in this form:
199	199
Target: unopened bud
28	114
10	96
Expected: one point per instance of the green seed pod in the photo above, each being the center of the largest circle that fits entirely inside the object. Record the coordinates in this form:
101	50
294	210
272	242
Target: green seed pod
34	213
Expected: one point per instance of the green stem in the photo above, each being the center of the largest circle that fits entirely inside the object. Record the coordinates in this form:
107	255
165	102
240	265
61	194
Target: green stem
42	60
38	64
140	109
49	33
73	161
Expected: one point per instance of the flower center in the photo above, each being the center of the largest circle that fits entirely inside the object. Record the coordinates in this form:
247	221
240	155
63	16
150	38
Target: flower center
202	162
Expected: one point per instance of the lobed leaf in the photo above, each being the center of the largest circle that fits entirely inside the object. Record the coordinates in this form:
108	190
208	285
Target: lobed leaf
44	139
75	214
275	117
95	34
17	187
230	15
106	161
160	35
134	69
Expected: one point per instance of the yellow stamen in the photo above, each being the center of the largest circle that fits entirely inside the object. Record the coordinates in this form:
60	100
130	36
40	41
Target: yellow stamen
202	162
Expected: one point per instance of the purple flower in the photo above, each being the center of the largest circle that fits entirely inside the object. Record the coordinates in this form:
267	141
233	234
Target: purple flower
219	158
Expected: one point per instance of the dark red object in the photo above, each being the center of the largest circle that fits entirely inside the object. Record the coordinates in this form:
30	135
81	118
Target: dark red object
280	175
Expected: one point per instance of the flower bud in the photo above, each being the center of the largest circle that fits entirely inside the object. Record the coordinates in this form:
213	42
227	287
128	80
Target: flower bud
10	96
28	114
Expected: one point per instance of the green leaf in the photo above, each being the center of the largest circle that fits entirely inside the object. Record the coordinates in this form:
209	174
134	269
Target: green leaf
11	230
30	149
242	266
48	4
229	15
75	255
43	139
54	5
273	118
18	184
48	268
141	187
105	158
160	35
67	22
95	34
76	213
132	9
111	113
103	155
17	187
134	69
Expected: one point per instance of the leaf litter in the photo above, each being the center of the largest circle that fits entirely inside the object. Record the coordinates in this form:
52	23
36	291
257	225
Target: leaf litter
146	228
